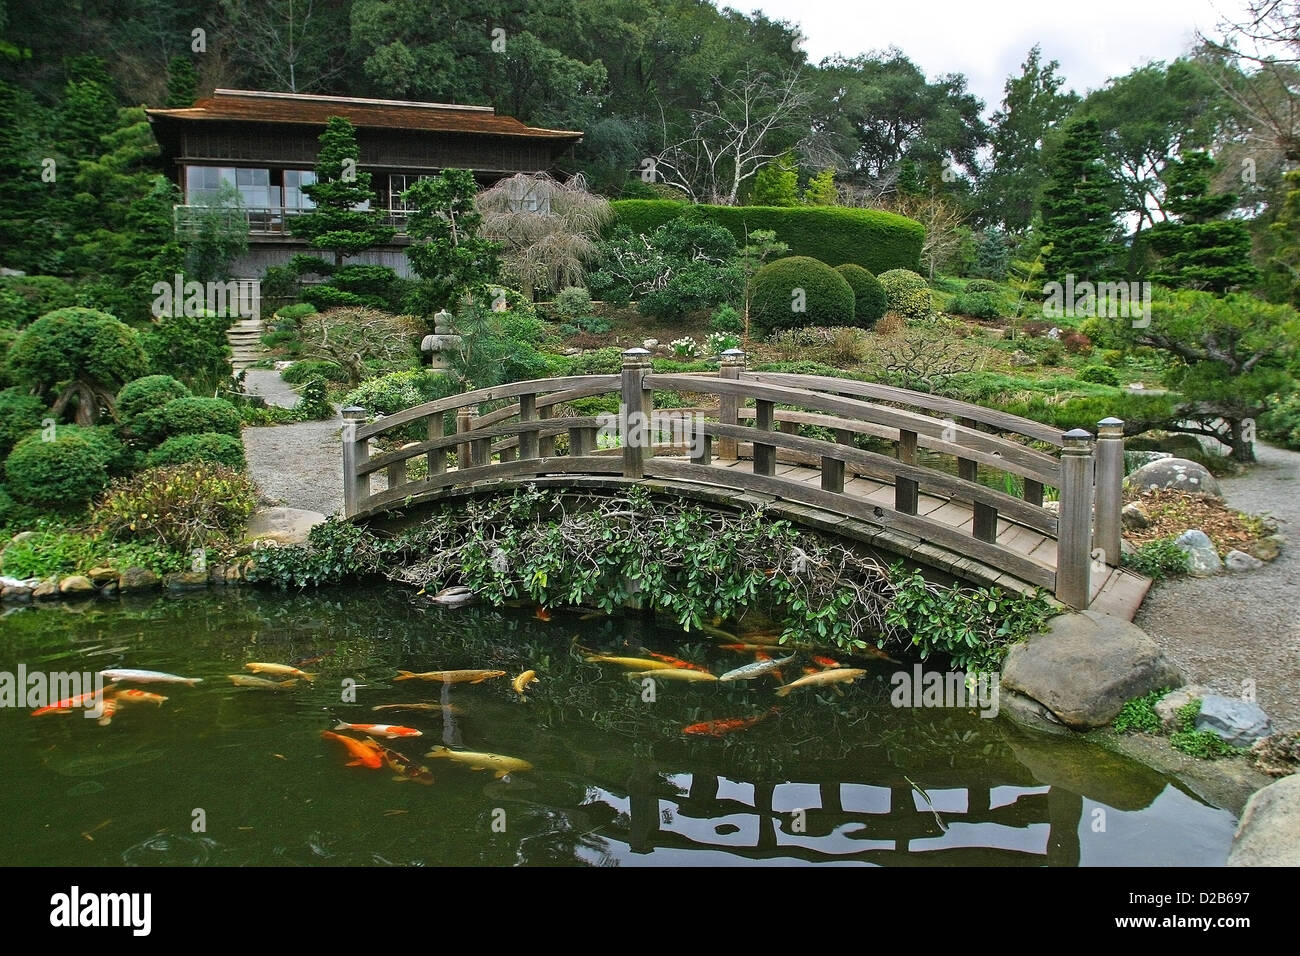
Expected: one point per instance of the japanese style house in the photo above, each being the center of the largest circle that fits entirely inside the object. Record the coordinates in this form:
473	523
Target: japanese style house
265	144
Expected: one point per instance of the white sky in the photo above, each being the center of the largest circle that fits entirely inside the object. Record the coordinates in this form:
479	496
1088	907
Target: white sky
987	41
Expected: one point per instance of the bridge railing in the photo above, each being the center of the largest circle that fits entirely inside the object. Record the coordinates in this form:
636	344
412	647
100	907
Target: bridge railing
773	420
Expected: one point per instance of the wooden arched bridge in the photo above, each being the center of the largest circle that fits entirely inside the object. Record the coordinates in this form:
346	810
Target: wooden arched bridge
985	496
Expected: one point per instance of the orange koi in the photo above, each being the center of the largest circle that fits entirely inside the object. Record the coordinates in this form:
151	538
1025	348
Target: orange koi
542	614
68	704
133	696
365	753
678	662
716	728
826	663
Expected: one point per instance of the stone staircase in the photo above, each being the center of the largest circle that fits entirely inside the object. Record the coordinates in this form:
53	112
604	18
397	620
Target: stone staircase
245	338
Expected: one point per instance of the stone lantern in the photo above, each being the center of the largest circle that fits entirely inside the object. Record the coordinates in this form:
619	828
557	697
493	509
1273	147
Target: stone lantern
442	343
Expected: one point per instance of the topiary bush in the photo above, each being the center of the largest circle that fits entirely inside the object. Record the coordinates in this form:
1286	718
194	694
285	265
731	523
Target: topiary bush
727	319
301	372
779	290
20	413
186	416
572	302
151	391
606	361
61	474
869	299
178	506
192	348
908	293
983	285
1099	375
978	305
204	446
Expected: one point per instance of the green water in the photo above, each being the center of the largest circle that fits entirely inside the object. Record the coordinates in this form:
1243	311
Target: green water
615	782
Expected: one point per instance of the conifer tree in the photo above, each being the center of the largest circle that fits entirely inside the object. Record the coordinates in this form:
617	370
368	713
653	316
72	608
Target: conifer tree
1078	207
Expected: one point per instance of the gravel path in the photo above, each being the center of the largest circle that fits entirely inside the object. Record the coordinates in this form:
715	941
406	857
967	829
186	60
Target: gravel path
270	386
1226	629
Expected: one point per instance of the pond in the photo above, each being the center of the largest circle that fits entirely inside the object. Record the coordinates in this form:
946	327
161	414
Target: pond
229	775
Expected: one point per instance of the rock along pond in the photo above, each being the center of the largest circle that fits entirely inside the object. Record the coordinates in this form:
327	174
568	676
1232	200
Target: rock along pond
230	775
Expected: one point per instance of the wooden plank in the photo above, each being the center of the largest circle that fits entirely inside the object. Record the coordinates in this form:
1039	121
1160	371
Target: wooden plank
906	489
985	522
545	441
764	454
528	443
547	401
1034	492
486	474
832	475
557	427
967	468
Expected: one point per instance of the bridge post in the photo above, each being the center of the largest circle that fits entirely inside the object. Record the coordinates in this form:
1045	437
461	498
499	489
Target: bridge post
637	405
1110	494
464	424
356	452
733	363
1074	523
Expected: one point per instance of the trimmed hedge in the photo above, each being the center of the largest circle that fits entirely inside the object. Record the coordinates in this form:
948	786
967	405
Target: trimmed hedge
827	296
304	370
869	299
870	238
151	391
204	446
186	416
20	413
908	293
62	474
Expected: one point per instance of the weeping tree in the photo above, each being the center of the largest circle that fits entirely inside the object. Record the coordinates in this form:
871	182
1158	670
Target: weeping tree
547	229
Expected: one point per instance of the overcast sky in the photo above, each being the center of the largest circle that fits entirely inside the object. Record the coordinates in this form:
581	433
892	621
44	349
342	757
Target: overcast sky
987	41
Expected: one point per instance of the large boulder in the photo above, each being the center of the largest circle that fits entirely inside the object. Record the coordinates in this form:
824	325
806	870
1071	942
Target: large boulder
1177	473
1238	722
1269	831
281	526
1085	666
1202	557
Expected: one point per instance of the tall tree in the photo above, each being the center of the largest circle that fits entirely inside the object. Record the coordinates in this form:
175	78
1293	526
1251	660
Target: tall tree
1201	249
293	45
447	252
340	223
1078	206
1032	106
182	83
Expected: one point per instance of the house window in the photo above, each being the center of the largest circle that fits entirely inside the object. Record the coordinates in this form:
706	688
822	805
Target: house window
294	180
397	184
204	183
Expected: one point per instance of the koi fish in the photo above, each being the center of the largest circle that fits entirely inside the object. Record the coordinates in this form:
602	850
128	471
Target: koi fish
632	663
133	696
108	712
826	663
126	675
678	662
389	731
308	661
758	669
716	728
746	648
445	708
839	675
261	683
498	764
777	675
451	677
404	769
364	753
69	704
541	613
673	673
520	683
279	670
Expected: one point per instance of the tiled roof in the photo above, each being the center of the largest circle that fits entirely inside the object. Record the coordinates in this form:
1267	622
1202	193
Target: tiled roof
262	107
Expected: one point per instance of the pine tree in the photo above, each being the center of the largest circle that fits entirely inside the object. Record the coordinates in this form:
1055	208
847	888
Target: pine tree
1078	208
777	183
1201	250
1284	263
446	249
337	225
182	83
821	189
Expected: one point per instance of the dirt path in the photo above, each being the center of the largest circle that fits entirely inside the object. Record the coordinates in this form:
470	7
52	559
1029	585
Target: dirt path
1234	627
298	465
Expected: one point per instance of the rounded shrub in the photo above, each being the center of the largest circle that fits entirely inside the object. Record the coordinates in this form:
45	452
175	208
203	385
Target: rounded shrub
186	416
82	353
571	302
908	293
1099	375
205	446
178	506
978	305
292	313
20	413
301	372
152	391
727	318
869	300
60	474
391	393
982	285
798	291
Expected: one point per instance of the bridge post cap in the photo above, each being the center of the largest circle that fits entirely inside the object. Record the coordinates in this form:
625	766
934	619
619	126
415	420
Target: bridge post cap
1076	437
354	413
1111	421
635	356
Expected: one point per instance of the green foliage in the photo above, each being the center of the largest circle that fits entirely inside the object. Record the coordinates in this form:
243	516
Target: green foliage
80	357
1203	744
798	291
218	236
777	183
446	250
336	550
61	474
23	299
391	393
304	370
876	240
1280	422
869	299
978	305
182	83
1099	375
605	361
186	416
683	266
821	189
488	354
1139	714
1078	206
20	413
203	446
151	391
907	293
295	312
314	404
571	302
1158	559
47	554
726	318
194	349
982	285
589	325
178	506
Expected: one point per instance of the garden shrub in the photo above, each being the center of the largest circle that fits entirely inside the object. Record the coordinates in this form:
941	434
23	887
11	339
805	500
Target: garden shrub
727	318
391	393
870	238
151	391
20	413
186	416
295	312
204	446
983	285
192	348
606	361
572	302
178	506
908	293
869	299
304	370
314	404
1280	423
1158	559
827	298
59	475
1099	375
24	299
978	305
